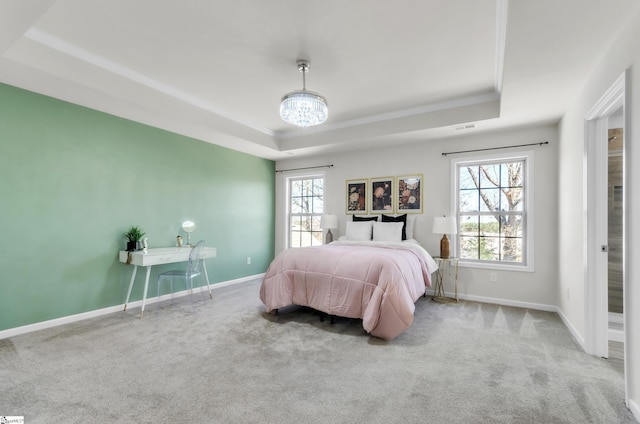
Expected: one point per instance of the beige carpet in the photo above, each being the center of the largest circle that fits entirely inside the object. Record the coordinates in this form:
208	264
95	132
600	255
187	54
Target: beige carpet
228	362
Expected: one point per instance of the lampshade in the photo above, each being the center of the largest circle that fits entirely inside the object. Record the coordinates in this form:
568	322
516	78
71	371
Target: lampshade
303	108
329	221
445	225
188	227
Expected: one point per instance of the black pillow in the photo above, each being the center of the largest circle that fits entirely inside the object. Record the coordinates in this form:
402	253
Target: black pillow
365	218
401	218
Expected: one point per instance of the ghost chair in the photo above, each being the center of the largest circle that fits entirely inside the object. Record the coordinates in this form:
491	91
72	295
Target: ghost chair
193	270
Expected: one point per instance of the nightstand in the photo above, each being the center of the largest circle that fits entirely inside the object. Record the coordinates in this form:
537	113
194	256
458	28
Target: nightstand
438	292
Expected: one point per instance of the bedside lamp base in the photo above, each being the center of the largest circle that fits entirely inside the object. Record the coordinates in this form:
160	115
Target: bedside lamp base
329	238
444	247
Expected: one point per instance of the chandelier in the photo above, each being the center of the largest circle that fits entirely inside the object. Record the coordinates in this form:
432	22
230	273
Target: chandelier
302	107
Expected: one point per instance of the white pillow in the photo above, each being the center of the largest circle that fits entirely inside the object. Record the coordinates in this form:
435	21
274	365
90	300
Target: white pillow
359	230
411	220
387	231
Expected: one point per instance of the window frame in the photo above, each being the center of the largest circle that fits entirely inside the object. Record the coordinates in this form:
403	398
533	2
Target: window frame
289	215
527	214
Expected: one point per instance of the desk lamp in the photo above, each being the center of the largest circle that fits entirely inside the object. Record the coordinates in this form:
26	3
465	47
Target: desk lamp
188	227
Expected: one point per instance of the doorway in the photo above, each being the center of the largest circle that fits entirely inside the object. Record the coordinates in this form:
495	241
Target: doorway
601	205
615	214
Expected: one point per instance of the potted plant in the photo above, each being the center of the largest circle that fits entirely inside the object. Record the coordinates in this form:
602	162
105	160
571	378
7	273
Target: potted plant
133	236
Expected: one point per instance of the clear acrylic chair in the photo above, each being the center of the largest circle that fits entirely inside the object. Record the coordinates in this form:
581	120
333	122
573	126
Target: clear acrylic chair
194	269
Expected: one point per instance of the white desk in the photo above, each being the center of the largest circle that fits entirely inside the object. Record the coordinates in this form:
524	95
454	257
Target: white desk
159	256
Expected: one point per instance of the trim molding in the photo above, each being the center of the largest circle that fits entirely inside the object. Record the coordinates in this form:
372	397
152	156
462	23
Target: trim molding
616	335
528	305
504	302
634	408
576	335
594	212
11	332
616	327
395	114
101	62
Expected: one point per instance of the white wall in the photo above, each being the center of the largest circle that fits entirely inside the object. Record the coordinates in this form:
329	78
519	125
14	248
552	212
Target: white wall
624	54
532	289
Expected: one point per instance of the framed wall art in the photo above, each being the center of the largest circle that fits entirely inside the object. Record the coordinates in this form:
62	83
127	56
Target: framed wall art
382	195
357	196
409	194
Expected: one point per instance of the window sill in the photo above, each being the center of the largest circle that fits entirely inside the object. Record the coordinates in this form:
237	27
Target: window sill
495	266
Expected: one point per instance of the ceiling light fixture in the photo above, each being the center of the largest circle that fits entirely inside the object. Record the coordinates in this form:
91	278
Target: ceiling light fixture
302	107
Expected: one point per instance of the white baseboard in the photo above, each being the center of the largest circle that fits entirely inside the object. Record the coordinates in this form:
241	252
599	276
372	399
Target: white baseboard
576	335
519	304
497	301
616	327
11	332
634	408
616	335
616	318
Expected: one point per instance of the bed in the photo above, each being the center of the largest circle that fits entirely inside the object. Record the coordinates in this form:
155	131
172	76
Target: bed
370	276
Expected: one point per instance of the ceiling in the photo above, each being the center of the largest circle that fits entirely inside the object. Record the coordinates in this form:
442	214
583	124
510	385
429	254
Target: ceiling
392	72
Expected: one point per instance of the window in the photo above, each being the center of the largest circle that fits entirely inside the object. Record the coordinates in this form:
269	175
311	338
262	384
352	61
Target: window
493	207
306	203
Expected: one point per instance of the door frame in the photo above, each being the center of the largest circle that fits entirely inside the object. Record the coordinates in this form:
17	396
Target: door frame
596	217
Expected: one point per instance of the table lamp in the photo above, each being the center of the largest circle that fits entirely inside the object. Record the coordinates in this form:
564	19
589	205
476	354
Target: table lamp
444	225
188	227
329	222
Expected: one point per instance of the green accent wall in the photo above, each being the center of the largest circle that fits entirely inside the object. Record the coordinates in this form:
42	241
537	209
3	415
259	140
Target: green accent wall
74	179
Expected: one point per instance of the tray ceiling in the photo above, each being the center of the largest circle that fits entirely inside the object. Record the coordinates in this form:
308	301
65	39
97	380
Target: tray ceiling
401	71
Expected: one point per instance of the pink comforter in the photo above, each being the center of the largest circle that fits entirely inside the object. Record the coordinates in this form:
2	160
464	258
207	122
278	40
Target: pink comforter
378	283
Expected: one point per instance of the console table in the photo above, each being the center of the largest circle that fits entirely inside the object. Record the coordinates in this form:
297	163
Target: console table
159	256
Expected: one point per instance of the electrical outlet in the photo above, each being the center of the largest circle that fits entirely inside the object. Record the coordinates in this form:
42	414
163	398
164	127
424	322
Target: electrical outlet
248	260
493	277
